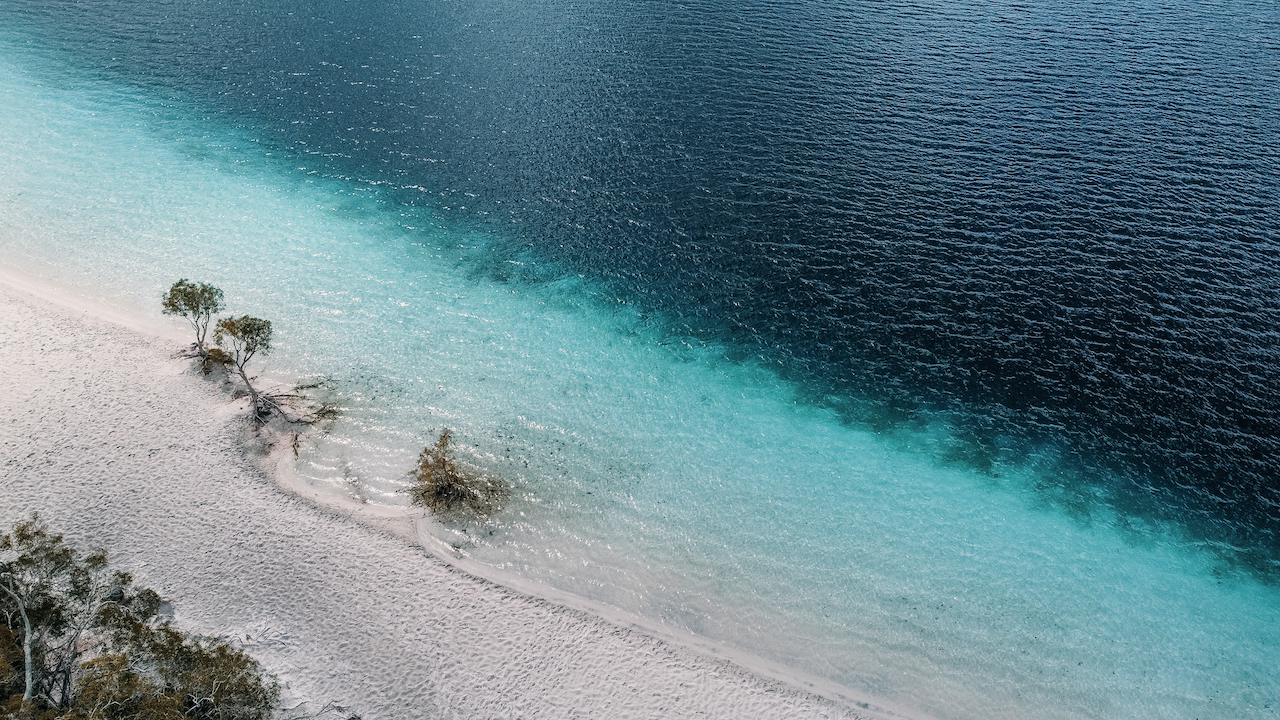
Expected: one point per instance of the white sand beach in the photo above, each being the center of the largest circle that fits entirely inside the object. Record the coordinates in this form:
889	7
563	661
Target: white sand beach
117	443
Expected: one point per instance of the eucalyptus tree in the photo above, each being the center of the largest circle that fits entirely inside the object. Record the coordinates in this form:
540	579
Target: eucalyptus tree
95	647
58	596
31	564
244	337
198	303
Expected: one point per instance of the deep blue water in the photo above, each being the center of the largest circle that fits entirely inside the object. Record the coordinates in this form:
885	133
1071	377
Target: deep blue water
1051	228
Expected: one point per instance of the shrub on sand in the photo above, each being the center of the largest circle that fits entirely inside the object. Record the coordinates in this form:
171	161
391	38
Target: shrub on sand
80	642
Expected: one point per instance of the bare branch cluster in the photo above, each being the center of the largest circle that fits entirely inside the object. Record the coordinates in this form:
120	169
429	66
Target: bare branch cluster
444	486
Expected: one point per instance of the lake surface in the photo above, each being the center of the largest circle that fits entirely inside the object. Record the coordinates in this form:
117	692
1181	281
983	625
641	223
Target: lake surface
928	349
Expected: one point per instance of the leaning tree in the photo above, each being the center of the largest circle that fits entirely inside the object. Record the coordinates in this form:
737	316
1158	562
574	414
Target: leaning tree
244	337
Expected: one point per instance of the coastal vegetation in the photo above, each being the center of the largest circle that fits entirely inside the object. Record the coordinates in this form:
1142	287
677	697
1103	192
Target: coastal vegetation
440	483
82	642
197	302
444	486
238	340
245	336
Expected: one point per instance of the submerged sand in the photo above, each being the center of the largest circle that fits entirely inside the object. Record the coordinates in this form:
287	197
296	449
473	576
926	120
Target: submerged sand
117	443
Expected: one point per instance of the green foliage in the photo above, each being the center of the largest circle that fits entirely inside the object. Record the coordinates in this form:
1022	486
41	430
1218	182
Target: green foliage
245	337
10	661
443	486
215	356
93	646
197	302
111	690
159	672
41	581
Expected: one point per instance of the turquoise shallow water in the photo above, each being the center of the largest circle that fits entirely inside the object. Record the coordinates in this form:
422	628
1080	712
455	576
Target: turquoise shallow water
651	473
1046	225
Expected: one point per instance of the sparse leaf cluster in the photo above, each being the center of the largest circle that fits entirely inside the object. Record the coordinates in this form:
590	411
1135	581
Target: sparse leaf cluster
245	337
79	641
444	486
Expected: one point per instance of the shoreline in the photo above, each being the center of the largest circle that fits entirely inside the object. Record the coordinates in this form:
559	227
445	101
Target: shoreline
627	652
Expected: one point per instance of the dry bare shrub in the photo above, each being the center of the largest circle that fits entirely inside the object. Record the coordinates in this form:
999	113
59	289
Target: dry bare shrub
215	357
445	487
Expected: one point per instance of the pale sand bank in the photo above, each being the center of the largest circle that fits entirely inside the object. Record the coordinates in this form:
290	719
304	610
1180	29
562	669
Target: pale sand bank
118	444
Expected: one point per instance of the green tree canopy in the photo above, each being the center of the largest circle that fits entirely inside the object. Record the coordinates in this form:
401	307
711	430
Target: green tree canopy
245	337
197	302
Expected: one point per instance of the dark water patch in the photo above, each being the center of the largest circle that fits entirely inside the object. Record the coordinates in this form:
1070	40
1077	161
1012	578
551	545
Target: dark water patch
1037	225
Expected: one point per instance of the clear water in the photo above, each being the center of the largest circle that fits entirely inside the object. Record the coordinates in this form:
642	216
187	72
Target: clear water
748	477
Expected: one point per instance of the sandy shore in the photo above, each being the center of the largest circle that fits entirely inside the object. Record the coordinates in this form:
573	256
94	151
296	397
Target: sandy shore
118	444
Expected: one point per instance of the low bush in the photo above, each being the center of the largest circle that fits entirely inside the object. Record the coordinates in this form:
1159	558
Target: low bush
445	487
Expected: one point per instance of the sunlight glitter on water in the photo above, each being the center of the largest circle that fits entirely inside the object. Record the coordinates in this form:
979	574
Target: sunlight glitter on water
649	474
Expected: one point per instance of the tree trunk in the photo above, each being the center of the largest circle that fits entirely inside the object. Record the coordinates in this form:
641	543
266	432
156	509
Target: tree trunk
26	641
253	394
200	333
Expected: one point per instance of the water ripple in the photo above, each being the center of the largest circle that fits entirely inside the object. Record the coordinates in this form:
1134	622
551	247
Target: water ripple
1051	227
